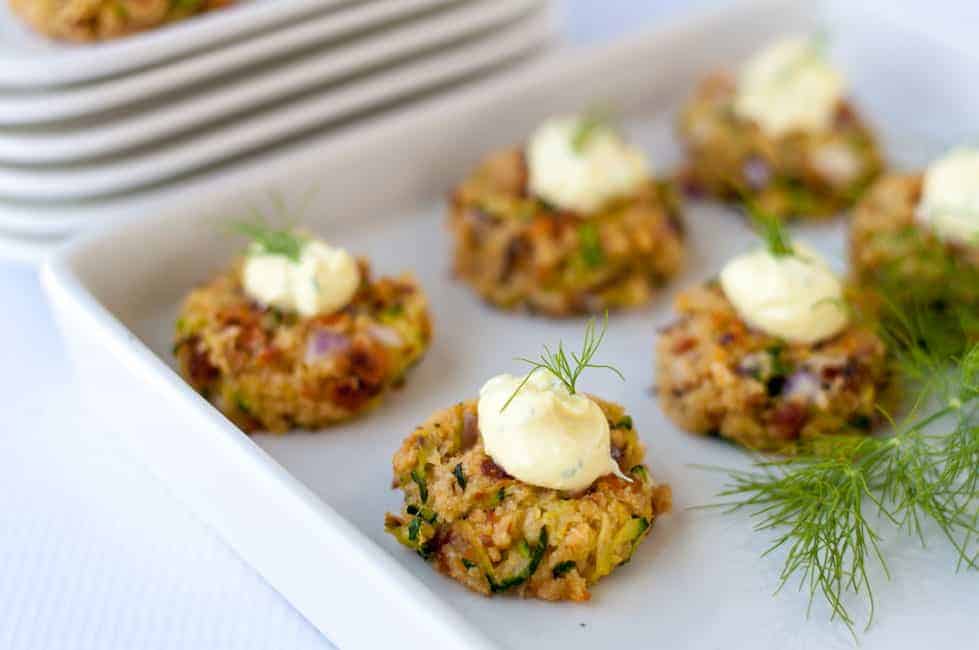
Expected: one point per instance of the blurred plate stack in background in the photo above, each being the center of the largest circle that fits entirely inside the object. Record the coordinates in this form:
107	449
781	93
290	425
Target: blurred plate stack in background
101	131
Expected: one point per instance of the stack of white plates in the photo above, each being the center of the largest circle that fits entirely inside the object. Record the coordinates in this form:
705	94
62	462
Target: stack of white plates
88	132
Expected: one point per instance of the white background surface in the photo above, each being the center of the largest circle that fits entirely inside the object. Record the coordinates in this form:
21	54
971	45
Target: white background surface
94	553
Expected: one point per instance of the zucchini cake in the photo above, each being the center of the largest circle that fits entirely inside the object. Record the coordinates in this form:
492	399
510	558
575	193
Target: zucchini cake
780	134
299	335
915	239
572	223
769	356
533	489
96	20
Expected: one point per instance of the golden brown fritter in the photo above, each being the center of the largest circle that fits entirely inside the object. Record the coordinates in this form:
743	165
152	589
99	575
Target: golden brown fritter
901	261
476	524
266	369
518	252
717	376
96	20
799	174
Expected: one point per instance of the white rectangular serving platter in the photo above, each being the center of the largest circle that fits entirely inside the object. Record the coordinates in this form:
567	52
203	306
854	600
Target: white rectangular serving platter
306	510
96	98
30	61
223	105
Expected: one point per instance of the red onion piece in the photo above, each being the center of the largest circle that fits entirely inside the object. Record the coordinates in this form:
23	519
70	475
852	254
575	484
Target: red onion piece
804	384
692	188
757	173
479	216
325	344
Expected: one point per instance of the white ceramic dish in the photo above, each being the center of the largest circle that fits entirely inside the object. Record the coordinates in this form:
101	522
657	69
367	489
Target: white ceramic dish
318	30
306	510
54	221
28	60
26	250
182	156
260	87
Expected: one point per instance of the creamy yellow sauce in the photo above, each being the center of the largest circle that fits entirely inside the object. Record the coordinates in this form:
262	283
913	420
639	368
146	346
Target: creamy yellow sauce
795	297
789	86
323	280
545	436
583	179
950	196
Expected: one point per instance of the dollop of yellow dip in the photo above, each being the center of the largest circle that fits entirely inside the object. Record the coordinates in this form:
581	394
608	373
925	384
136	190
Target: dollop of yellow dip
580	171
795	297
789	86
950	196
545	436
323	280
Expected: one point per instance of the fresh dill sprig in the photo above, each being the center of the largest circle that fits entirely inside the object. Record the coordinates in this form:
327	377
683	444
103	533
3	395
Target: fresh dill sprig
769	228
828	501
567	367
592	121
272	241
929	288
817	506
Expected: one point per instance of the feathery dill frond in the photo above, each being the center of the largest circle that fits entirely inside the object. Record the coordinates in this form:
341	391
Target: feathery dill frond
818	500
272	241
593	120
769	228
830	502
817	506
567	367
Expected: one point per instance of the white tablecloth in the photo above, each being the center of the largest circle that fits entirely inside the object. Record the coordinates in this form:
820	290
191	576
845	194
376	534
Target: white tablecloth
96	554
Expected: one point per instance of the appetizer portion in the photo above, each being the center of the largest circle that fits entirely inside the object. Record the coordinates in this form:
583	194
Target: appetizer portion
914	240
533	489
574	222
96	20
768	355
781	134
298	334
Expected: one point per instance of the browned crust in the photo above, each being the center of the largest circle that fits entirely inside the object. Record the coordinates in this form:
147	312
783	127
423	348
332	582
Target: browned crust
518	253
96	20
715	375
733	159
885	234
477	536
255	363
